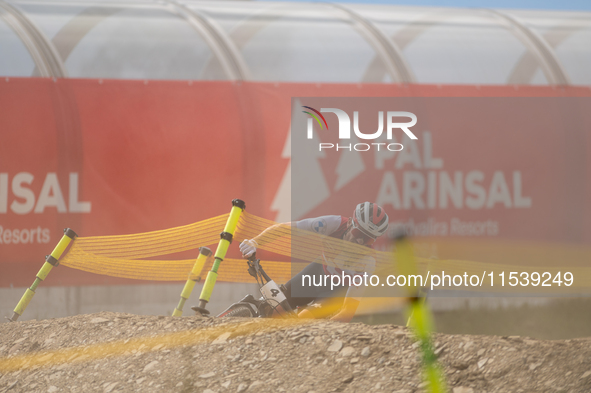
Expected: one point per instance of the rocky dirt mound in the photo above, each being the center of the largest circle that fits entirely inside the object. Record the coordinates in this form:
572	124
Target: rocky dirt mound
319	357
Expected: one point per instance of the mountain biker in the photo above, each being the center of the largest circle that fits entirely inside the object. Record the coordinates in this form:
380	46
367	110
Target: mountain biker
369	222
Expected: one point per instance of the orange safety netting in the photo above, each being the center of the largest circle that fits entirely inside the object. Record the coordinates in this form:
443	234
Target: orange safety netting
127	256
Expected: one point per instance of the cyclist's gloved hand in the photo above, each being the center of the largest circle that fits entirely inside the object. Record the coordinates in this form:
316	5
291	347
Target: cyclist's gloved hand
248	247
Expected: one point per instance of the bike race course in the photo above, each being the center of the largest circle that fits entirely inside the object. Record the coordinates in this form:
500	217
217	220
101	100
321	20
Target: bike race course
111	352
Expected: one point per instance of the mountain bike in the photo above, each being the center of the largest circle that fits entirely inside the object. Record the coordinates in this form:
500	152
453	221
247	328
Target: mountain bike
273	302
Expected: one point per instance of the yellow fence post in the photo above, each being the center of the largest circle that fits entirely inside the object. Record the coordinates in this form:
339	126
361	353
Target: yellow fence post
51	260
194	277
420	318
220	253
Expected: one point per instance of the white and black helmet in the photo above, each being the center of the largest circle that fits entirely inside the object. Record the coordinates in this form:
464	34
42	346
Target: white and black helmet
370	219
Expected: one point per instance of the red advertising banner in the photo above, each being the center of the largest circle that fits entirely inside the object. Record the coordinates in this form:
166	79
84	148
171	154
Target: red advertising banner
107	157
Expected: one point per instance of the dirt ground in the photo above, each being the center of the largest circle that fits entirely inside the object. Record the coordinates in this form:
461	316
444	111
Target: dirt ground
553	319
115	352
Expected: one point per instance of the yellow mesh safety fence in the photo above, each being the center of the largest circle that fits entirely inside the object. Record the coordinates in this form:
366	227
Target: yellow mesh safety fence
122	256
126	255
157	243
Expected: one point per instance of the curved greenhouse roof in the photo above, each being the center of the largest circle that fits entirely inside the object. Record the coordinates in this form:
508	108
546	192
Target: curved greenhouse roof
293	42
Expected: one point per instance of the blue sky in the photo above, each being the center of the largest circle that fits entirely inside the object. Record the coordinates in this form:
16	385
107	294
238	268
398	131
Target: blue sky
576	5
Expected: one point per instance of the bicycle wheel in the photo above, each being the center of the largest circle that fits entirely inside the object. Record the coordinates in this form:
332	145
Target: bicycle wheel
239	310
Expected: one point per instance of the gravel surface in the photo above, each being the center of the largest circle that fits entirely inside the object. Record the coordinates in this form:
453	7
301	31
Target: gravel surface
115	352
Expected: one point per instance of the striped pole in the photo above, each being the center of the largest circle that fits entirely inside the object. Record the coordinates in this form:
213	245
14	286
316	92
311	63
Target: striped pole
420	318
194	277
225	240
51	261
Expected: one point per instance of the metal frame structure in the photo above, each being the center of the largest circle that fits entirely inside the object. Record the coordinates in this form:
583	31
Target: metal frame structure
219	43
50	56
48	62
545	54
390	53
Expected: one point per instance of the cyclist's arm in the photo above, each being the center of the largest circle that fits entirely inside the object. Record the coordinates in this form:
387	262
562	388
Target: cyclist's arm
324	225
249	246
274	232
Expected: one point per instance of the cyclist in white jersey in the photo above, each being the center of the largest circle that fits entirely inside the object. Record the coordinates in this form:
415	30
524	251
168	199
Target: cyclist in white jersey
369	222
